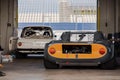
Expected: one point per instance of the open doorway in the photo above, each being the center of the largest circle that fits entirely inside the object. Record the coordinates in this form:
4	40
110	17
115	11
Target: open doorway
61	15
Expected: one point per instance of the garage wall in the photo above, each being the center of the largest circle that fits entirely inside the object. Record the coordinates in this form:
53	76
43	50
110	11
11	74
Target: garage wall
107	16
7	21
4	19
0	23
118	17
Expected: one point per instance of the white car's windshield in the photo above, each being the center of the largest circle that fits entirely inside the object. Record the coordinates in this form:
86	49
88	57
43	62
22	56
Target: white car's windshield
37	32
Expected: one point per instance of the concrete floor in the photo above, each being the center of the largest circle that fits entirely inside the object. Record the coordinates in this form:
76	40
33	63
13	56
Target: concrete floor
33	69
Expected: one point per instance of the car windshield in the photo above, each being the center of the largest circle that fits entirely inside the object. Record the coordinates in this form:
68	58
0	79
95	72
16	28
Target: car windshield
37	32
82	37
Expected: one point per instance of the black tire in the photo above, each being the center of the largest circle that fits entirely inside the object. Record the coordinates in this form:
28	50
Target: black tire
50	65
110	65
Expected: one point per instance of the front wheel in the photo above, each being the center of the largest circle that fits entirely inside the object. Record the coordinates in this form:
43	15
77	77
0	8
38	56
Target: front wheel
50	65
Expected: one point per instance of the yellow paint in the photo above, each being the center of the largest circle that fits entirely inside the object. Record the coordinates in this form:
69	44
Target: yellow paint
94	55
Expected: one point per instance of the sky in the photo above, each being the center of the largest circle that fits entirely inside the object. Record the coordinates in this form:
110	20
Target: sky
36	6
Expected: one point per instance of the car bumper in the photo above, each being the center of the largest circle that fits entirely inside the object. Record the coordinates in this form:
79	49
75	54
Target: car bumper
88	62
30	50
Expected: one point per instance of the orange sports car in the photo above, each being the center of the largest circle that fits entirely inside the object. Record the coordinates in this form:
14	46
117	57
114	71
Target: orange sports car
80	48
